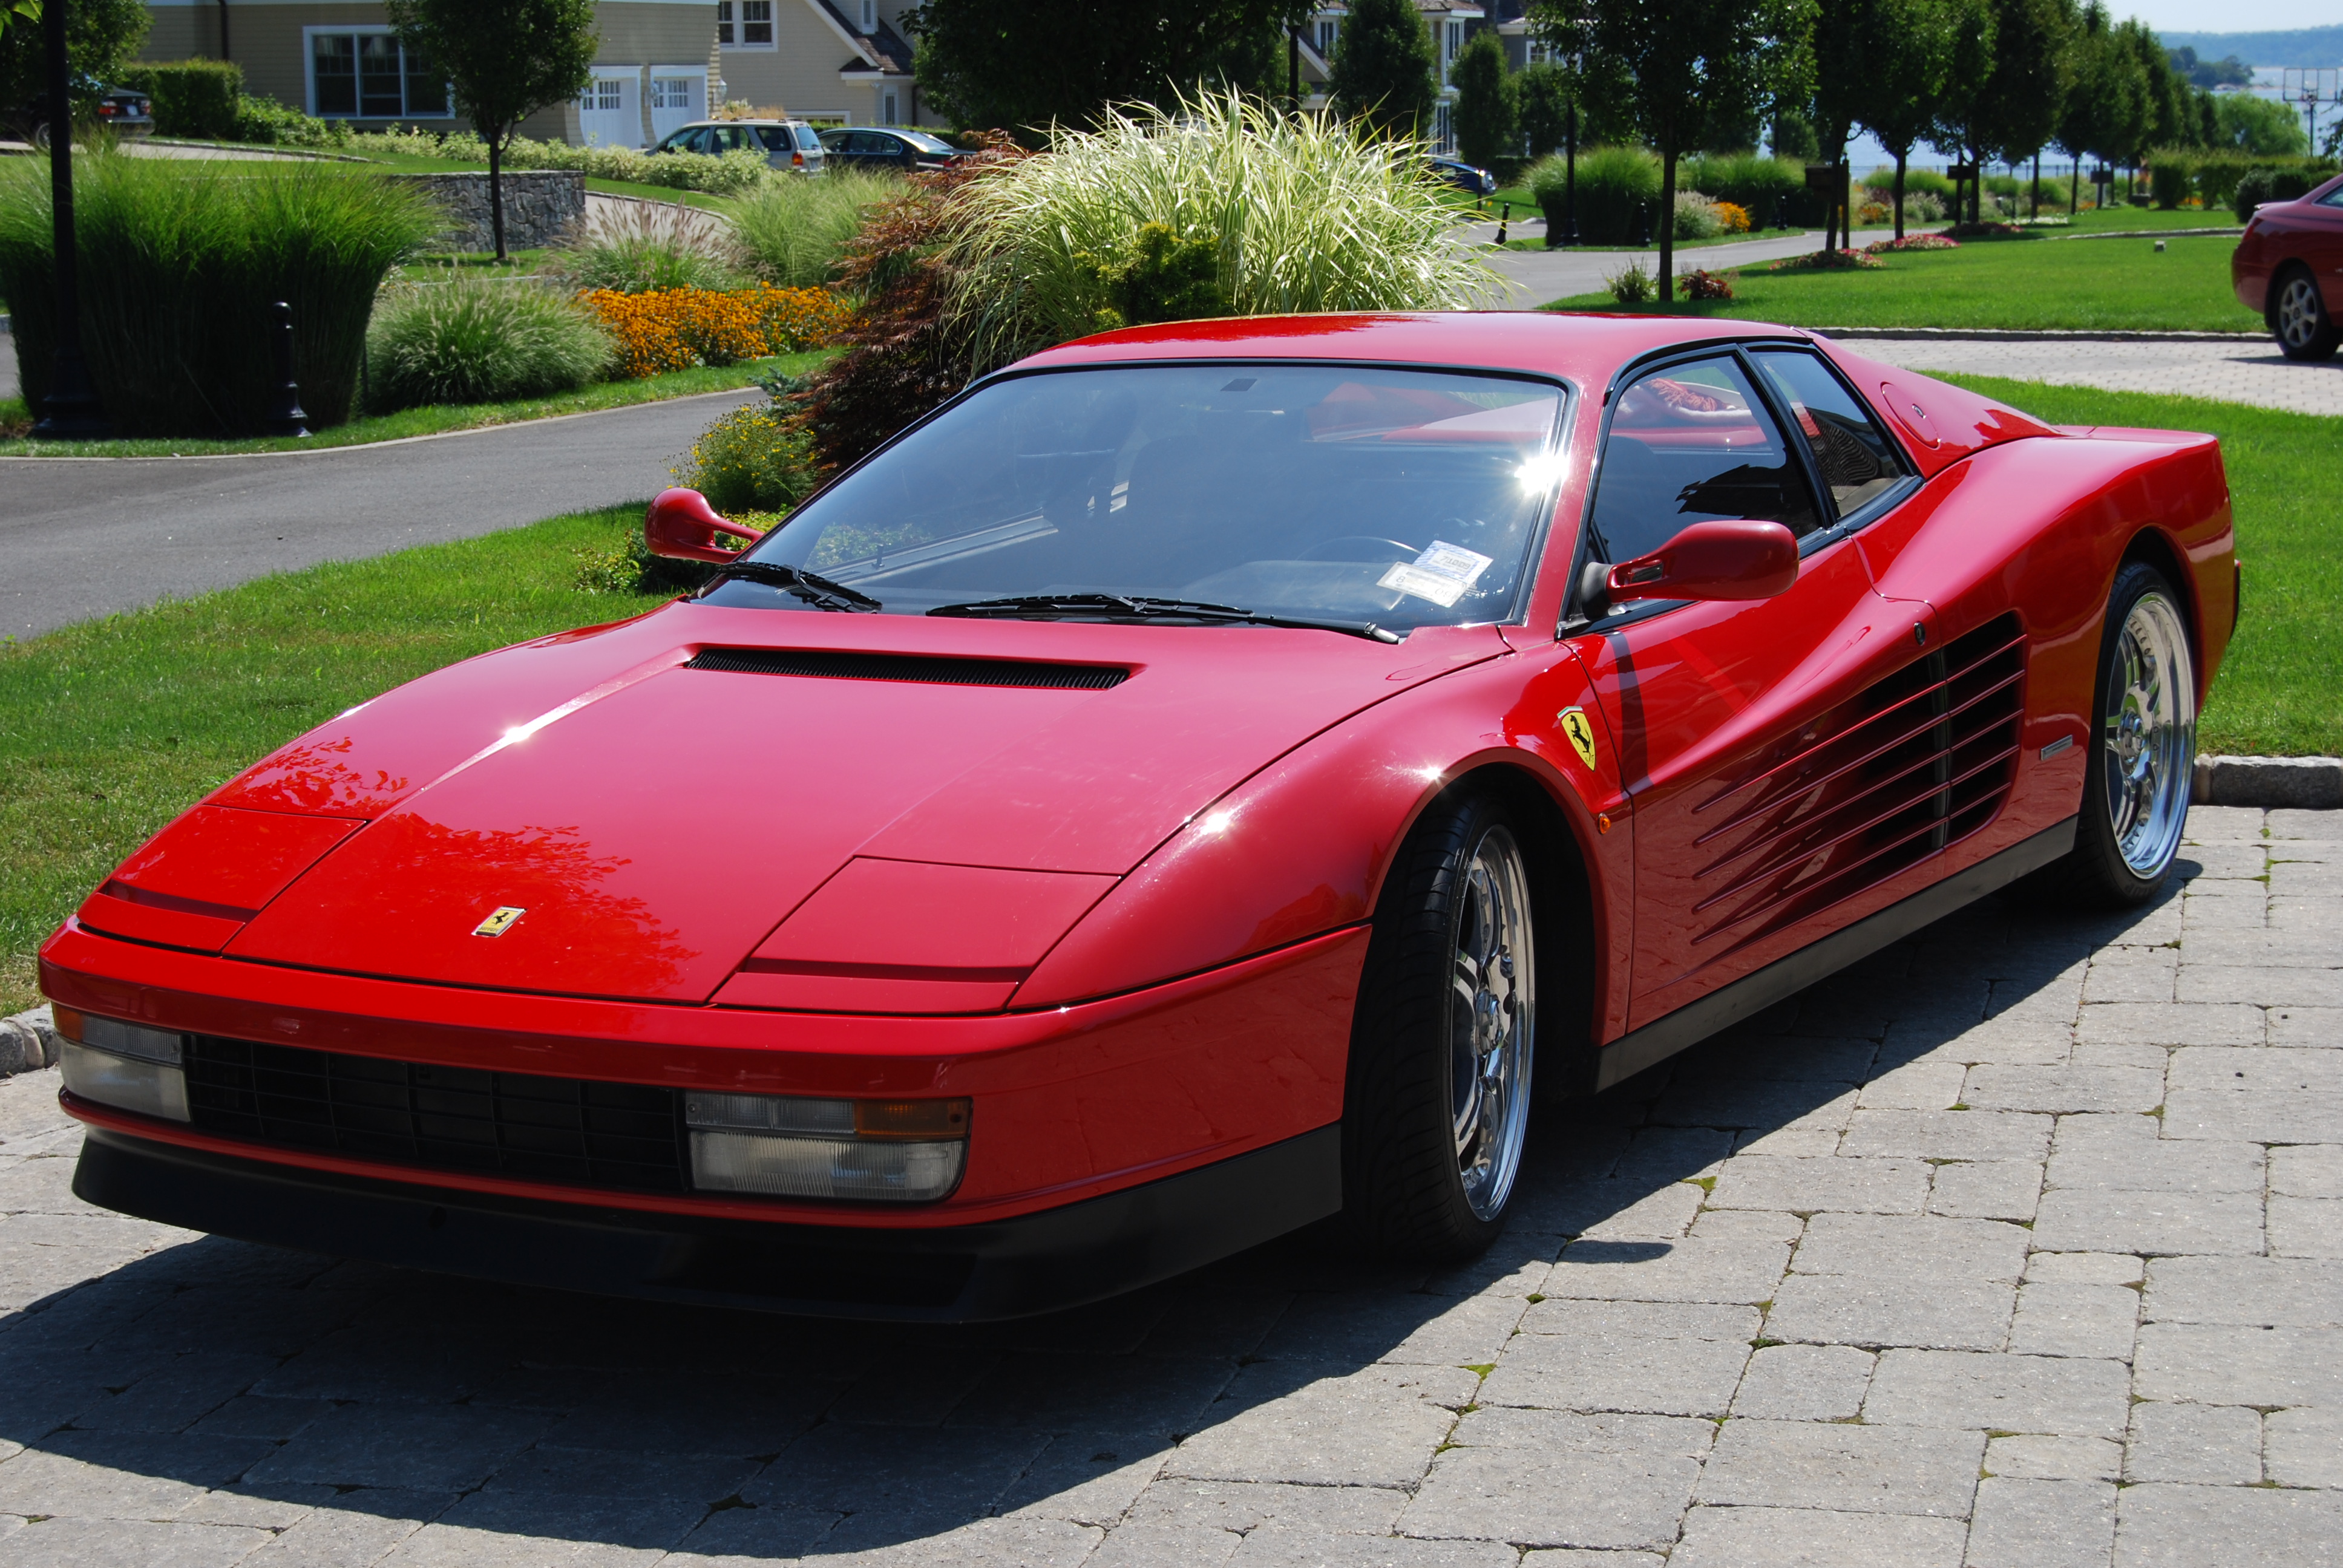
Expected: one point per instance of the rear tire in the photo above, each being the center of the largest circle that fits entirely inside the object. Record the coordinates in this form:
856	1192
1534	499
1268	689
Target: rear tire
1444	1038
2142	752
2298	317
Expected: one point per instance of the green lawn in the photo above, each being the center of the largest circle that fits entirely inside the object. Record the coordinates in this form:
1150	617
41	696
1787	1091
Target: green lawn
110	727
2083	285
436	419
2276	692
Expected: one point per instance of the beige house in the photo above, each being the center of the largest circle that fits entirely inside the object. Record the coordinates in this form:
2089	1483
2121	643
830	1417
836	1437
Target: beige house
1451	23
845	61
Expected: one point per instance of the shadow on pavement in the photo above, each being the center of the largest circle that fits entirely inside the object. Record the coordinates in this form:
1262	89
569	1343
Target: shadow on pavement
232	1385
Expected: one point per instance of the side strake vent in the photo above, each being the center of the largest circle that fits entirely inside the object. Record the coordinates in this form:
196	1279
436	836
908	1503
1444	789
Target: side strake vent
1919	761
926	669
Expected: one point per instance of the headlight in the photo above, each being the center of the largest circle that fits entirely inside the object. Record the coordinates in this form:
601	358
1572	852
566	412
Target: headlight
125	1065
784	1146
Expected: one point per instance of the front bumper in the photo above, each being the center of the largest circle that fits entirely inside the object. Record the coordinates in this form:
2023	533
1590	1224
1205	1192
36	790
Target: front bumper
1010	1268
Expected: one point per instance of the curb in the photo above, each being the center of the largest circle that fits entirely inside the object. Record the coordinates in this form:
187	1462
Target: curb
2151	232
2013	335
2271	783
28	1042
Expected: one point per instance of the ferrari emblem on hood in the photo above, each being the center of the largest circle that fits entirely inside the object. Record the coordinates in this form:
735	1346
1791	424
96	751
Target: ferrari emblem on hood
499	922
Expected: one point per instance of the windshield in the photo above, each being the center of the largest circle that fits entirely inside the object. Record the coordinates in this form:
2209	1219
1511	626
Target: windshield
1397	498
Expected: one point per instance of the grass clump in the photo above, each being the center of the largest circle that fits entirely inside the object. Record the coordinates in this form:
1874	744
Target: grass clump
1305	214
753	460
643	248
180	263
474	339
1618	190
793	232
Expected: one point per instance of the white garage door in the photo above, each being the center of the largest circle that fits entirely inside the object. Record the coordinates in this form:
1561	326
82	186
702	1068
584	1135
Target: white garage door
679	96
610	110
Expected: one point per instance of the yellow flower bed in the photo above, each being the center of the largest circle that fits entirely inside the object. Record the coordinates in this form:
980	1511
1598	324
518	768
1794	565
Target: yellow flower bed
676	328
1732	217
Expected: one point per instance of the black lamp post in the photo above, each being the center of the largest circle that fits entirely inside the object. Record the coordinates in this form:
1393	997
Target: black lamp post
71	411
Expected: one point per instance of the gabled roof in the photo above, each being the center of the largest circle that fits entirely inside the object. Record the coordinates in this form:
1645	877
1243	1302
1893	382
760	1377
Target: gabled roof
881	51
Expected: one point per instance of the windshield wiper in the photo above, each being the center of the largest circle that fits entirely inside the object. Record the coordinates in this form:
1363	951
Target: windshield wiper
811	586
1136	606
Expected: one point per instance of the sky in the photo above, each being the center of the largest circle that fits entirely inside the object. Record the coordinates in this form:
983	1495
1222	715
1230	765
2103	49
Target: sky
2231	15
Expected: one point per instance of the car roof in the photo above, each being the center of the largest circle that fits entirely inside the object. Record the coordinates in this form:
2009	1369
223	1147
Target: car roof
1585	348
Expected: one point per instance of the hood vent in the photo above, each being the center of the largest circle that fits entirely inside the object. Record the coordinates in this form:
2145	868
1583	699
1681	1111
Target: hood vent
1919	761
924	668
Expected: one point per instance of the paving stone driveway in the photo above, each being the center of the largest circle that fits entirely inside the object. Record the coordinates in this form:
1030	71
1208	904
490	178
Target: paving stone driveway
2017	1246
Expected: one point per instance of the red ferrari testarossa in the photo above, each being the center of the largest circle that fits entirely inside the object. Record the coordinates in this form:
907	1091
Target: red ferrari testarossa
1182	789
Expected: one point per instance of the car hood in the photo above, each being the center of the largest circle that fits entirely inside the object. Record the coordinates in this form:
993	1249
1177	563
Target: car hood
655	800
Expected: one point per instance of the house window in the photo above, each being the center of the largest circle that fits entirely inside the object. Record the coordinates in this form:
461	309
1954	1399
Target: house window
1328	30
744	23
670	92
365	75
607	96
1456	45
869	15
887	108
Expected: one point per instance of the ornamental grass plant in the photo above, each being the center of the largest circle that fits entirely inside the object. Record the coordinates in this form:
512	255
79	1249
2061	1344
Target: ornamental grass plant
1618	190
641	247
1306	214
180	264
480	340
794	232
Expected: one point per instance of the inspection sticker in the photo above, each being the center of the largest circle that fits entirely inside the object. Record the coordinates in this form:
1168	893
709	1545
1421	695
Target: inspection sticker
1440	574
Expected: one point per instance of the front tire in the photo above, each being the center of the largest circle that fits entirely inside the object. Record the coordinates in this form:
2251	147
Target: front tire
1444	1038
2299	317
2143	751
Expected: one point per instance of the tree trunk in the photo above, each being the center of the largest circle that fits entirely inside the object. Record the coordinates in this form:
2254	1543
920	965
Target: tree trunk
497	191
1667	222
1902	157
2075	189
2034	197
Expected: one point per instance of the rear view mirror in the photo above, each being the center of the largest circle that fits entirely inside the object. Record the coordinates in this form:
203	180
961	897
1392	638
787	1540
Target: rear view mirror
683	527
1741	560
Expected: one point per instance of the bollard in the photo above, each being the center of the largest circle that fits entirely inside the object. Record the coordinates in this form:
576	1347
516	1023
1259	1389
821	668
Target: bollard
284	416
1504	217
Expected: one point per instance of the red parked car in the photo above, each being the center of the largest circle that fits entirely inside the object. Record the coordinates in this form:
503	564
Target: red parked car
1189	786
2290	266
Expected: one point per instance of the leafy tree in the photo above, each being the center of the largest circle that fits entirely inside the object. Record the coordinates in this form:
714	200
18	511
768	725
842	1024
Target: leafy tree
2166	116
2228	72
1791	135
1038	63
2258	125
1542	94
1911	47
1842	77
2008	84
13	11
1488	106
2107	101
1386	70
1692	66
505	60
102	36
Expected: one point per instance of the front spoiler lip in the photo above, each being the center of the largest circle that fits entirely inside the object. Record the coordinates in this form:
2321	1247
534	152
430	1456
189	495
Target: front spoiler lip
1016	1267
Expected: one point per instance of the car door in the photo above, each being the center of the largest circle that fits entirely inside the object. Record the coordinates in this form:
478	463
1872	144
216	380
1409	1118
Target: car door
1734	846
2322	247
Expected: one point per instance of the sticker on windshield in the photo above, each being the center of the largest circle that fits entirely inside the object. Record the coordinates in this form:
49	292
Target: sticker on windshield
1440	574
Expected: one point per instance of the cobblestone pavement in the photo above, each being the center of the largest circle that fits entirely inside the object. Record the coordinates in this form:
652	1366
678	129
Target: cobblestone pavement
2017	1245
2250	371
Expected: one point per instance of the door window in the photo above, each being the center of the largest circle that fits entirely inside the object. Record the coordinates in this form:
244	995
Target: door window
1689	443
1856	460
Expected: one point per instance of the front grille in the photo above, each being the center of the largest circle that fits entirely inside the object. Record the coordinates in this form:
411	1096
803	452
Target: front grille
1917	762
925	669
567	1129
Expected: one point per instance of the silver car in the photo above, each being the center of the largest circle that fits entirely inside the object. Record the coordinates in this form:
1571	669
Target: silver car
788	145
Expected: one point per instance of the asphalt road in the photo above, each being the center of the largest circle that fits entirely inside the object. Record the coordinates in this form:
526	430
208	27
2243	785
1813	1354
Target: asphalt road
91	537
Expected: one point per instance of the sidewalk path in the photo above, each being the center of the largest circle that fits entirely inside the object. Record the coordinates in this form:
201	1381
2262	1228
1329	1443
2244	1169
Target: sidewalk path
89	537
1917	1270
2250	370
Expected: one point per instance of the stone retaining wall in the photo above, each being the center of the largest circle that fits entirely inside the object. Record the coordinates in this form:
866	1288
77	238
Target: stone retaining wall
538	204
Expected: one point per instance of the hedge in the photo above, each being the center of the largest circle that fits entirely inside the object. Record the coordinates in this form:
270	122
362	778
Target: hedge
197	98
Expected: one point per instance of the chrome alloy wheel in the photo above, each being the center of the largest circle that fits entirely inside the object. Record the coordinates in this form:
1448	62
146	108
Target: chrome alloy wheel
2148	735
1492	1021
2300	314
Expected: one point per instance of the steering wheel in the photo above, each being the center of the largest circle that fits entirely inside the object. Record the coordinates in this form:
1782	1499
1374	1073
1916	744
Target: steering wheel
1345	549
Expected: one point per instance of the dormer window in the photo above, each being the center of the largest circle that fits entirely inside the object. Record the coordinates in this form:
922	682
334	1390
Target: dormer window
869	16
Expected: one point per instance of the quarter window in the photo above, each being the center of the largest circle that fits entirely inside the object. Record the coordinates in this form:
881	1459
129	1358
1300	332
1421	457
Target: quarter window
368	76
1856	460
1689	443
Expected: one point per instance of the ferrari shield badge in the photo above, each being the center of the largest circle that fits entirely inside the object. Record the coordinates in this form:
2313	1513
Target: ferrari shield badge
1580	734
498	922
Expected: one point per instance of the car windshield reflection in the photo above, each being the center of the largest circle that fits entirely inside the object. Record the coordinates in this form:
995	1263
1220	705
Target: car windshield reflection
1311	492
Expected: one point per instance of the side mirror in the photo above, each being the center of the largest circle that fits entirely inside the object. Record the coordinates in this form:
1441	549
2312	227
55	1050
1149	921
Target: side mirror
1743	559
683	527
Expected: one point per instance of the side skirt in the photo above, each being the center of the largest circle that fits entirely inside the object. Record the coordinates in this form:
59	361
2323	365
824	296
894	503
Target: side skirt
1696	1021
